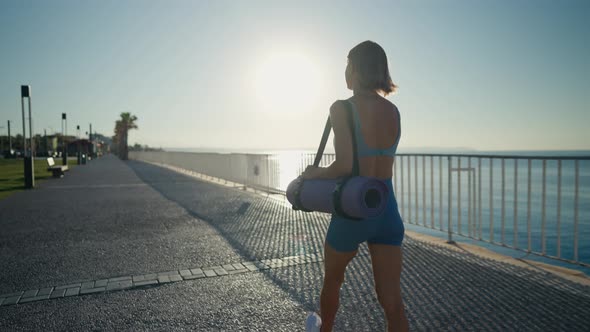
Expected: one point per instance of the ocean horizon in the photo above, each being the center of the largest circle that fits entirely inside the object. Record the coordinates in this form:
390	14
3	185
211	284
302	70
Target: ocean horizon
401	150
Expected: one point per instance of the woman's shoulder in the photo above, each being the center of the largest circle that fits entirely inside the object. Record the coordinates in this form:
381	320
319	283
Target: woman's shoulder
338	106
388	104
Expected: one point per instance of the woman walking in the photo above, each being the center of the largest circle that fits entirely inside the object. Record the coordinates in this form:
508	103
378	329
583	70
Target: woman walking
377	131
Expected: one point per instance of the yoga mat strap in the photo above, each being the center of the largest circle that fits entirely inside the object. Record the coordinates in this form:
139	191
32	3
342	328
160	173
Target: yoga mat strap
337	199
355	159
326	134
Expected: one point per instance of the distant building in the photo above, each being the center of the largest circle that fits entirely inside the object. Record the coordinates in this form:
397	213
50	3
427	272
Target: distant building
83	145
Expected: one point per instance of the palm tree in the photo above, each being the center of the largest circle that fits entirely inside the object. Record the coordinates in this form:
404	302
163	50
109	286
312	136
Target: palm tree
122	127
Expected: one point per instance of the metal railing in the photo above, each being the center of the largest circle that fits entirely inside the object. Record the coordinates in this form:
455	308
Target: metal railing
536	204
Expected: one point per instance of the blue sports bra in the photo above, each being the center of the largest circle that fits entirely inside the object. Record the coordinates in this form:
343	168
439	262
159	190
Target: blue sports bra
363	149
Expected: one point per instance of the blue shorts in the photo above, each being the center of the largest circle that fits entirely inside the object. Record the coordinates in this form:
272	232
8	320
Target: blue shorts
388	228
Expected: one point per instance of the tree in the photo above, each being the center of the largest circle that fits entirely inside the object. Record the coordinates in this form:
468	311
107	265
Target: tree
122	127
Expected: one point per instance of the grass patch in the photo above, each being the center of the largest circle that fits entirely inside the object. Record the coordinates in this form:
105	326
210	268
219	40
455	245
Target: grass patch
12	177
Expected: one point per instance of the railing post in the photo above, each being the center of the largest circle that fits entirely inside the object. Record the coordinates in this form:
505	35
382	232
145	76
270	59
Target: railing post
543	216
528	213
459	230
424	191
491	200
431	192
576	189
416	191
401	168
559	208
450	203
503	241
515	227
440	193
479	212
409	190
470	231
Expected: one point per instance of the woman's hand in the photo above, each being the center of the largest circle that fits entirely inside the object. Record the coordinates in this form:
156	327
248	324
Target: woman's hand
310	172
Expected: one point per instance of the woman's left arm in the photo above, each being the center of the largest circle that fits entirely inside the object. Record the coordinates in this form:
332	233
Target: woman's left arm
342	166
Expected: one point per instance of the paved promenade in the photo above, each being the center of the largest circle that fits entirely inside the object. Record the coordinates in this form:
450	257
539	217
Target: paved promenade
131	246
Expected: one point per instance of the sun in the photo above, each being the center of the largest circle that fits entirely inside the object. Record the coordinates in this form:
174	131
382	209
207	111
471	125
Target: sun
287	82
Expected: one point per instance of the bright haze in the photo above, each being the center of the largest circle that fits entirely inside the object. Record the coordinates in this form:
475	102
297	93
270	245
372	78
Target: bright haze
485	75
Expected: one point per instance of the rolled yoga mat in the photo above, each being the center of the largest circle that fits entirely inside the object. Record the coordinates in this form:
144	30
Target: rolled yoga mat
362	197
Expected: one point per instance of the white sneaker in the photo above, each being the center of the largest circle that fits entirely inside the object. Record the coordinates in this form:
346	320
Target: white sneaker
313	322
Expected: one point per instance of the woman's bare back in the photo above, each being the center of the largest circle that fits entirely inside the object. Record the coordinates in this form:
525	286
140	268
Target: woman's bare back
379	129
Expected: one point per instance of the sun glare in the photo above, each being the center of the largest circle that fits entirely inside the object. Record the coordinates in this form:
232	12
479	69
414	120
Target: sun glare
287	81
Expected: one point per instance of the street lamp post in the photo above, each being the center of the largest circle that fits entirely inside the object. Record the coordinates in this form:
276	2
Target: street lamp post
64	124
91	140
79	154
1	141
9	139
28	158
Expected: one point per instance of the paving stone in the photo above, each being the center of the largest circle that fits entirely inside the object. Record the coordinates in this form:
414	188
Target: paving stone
145	283
101	283
11	294
252	268
238	266
117	285
30	293
45	291
238	271
175	278
138	278
121	278
194	276
33	299
168	273
92	290
196	271
11	300
57	293
185	273
220	271
69	286
210	273
72	291
163	279
88	284
150	276
228	267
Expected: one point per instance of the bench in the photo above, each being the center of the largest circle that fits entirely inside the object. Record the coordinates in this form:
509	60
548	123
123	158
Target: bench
57	170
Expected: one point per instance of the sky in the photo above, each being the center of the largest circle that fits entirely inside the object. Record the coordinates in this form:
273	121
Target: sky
482	75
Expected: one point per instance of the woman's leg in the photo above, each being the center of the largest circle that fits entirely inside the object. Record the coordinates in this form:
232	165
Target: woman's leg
335	263
387	268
